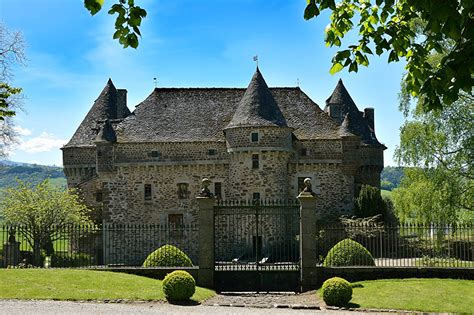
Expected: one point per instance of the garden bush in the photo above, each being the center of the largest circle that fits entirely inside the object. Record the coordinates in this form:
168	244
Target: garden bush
336	291
168	256
179	286
348	253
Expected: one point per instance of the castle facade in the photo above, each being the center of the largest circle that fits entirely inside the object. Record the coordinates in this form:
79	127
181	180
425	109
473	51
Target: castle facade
146	166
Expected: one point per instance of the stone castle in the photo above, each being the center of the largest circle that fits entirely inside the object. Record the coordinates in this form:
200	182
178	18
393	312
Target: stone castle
146	166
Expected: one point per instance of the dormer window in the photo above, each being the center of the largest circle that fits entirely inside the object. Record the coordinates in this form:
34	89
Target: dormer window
304	152
254	137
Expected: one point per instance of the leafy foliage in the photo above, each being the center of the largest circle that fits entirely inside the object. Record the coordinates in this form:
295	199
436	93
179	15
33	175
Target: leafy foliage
391	177
348	253
369	203
440	145
336	291
179	286
41	208
128	20
409	29
168	256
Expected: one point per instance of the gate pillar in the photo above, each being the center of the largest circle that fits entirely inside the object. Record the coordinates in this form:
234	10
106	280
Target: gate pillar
307	199
206	241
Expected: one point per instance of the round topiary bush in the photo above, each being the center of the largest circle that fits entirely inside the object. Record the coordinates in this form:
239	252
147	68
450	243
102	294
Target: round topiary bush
336	291
179	286
348	253
168	256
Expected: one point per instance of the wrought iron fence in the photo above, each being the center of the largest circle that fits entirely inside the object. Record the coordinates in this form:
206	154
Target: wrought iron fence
91	245
404	245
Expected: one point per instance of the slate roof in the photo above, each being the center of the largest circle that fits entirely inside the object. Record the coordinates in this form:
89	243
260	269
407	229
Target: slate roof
106	106
201	114
257	107
106	133
356	123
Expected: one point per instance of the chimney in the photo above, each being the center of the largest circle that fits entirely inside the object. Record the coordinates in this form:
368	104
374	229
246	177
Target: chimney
122	110
369	117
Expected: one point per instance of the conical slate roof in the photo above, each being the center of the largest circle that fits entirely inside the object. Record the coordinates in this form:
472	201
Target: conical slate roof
344	129
354	121
106	133
257	107
106	106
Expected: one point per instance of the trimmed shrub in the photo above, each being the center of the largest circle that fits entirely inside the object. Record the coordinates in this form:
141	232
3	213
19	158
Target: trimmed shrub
348	253
179	286
168	256
336	291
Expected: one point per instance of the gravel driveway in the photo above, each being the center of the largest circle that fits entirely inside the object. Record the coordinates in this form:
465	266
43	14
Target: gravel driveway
14	307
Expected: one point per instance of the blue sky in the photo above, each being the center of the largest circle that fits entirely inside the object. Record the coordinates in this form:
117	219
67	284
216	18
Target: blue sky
185	43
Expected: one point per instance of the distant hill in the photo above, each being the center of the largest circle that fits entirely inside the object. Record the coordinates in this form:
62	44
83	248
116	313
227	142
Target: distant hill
10	172
391	177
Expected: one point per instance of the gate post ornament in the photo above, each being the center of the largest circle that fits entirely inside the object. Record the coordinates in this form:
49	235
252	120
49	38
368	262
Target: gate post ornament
205	192
307	191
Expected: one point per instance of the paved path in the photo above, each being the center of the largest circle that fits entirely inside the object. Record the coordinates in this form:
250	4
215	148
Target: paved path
13	307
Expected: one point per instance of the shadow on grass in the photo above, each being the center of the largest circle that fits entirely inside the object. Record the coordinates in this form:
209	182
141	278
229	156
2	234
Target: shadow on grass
184	303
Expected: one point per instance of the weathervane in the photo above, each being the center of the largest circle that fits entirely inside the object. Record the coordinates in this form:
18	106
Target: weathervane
255	58
298	82
155	80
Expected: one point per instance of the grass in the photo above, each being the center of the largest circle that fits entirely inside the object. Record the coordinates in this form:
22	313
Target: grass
67	284
426	295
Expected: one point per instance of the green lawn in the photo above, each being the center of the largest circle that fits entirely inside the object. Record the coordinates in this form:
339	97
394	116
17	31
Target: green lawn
426	295
67	284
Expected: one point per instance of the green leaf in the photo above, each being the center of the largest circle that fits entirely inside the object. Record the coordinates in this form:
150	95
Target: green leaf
93	6
353	67
311	11
336	68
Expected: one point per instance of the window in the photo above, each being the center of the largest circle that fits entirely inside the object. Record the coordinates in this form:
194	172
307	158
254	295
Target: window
304	152
176	224
255	161
254	137
183	190
155	154
256	196
211	152
98	196
218	190
147	192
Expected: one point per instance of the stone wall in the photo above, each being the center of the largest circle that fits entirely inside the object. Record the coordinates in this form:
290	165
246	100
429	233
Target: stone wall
274	138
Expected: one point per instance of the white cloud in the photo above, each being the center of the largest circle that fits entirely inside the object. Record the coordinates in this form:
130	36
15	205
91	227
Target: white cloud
43	143
22	131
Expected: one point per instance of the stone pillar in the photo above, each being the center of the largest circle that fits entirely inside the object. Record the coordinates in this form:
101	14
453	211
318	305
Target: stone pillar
308	253
206	242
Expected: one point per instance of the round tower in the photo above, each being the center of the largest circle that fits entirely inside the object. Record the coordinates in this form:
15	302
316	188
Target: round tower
260	145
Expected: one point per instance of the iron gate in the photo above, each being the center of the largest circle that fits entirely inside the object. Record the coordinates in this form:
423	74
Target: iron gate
256	246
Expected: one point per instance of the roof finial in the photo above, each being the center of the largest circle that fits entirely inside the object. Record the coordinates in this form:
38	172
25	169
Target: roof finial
255	58
298	82
155	80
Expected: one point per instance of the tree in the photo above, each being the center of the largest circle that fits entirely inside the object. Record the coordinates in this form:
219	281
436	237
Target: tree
11	52
39	210
440	145
410	29
369	203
